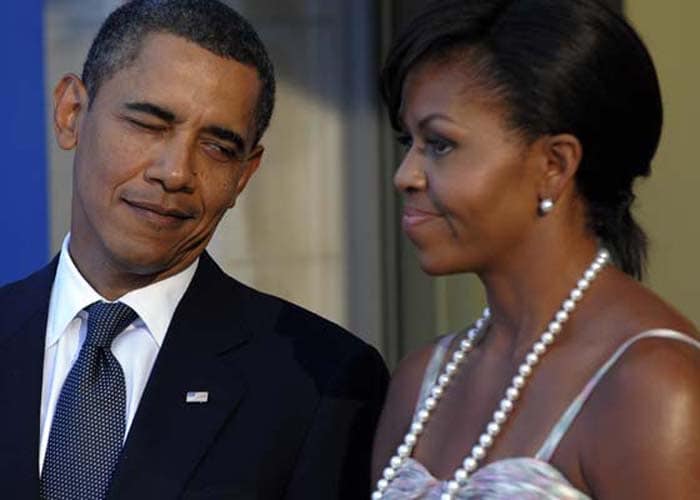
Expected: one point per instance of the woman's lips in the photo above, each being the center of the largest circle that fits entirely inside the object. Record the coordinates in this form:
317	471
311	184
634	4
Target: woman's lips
413	217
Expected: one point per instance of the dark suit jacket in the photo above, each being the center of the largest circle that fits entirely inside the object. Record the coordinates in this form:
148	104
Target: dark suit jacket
293	399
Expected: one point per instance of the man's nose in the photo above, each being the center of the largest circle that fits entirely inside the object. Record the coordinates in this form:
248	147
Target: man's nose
410	175
174	168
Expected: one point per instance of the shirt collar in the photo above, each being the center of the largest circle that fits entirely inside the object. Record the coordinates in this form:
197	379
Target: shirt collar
155	304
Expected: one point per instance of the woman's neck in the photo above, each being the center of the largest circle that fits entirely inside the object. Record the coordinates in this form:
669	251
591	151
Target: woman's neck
526	291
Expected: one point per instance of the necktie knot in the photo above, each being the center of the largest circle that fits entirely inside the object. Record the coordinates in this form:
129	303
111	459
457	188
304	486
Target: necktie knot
107	320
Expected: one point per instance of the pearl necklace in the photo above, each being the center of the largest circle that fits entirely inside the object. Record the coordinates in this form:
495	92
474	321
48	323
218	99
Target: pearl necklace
505	407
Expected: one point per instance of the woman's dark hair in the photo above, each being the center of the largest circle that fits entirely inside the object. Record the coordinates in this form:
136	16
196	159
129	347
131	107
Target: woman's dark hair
560	66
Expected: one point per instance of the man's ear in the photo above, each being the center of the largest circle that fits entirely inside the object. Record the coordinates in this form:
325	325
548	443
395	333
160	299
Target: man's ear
561	157
70	102
248	167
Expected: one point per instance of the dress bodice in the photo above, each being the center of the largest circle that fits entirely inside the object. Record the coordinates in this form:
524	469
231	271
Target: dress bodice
524	478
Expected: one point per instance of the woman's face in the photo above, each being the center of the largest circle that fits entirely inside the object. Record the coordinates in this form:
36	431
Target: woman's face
469	182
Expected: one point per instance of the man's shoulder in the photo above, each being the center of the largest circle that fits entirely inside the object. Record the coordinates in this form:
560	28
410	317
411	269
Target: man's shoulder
325	351
25	298
294	321
269	311
33	288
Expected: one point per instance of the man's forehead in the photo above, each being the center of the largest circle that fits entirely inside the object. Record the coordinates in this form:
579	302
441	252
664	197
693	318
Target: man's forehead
167	62
177	80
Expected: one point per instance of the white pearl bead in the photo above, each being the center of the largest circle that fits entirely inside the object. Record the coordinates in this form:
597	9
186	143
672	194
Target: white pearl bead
576	295
396	462
376	495
465	345
525	370
417	428
461	475
512	393
487	312
430	403
582	284
404	451
485	440
410	439
604	254
437	392
506	406
596	266
452	487
423	415
493	429
451	368
531	359
446	496
458	356
443	380
547	338
554	327
518	381
478	452
589	275
469	464
389	473
539	348
569	305
562	316
499	416
382	484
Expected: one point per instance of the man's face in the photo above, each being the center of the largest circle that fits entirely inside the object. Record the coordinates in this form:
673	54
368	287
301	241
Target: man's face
162	153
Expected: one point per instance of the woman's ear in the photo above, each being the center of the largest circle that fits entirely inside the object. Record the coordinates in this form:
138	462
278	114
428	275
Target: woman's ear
562	155
70	102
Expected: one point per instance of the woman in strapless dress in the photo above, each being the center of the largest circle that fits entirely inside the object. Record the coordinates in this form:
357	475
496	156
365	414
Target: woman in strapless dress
526	124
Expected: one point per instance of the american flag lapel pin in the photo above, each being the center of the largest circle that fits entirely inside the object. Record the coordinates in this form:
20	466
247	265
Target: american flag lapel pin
197	397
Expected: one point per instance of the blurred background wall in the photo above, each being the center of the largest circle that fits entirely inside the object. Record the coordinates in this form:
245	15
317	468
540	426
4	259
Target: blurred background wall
668	201
23	202
319	222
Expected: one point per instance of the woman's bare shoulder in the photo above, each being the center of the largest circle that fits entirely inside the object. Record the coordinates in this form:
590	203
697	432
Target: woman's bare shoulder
642	421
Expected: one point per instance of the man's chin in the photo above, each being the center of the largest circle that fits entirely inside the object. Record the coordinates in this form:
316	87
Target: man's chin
146	264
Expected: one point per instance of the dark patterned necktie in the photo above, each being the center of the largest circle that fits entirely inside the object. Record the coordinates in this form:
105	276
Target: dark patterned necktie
88	426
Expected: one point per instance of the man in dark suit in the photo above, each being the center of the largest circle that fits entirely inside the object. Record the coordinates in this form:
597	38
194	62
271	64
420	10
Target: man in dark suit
132	366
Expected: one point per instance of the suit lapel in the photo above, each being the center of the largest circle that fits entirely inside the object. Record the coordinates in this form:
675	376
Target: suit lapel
22	337
169	436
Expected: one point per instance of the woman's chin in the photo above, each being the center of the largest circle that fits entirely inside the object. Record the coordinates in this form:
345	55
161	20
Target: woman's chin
435	267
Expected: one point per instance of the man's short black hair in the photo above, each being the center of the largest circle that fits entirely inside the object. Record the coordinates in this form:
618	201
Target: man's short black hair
208	23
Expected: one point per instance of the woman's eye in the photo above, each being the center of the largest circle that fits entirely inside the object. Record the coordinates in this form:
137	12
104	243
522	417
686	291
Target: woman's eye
439	147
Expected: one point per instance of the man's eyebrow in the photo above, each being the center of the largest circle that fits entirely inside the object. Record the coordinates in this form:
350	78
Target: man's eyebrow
226	135
151	109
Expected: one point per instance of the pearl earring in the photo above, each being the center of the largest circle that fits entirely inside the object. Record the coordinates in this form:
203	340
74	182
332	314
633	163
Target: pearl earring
546	206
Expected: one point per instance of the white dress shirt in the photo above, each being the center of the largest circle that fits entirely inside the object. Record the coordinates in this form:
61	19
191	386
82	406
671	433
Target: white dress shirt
135	349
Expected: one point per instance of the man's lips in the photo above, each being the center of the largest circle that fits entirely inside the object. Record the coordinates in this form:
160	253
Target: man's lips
160	211
412	216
